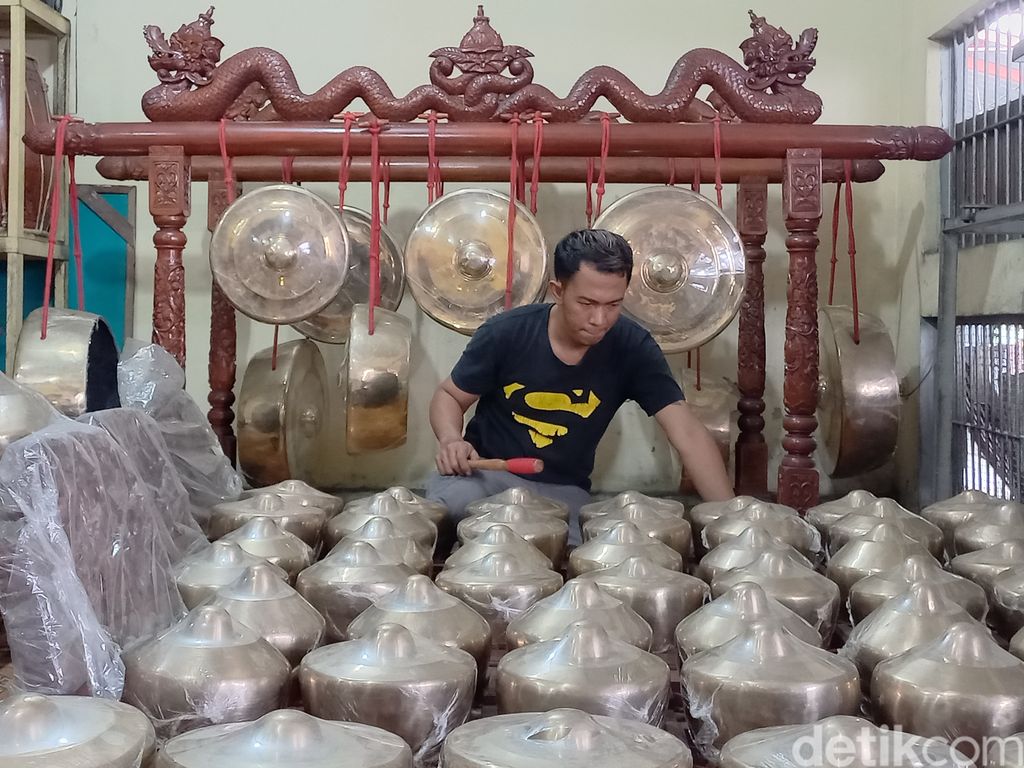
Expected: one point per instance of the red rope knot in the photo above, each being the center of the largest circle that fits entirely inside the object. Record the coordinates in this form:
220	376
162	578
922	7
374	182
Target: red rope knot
513	183
387	191
55	210
345	166
375	215
433	165
229	175
287	169
538	144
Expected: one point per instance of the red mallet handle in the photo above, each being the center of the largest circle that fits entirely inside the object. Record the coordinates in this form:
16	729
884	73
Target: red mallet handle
523	466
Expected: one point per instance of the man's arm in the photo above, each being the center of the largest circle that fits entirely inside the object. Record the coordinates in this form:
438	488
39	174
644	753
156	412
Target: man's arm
697	450
447	418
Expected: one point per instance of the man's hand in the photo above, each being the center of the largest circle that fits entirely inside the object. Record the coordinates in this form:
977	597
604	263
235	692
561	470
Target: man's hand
453	457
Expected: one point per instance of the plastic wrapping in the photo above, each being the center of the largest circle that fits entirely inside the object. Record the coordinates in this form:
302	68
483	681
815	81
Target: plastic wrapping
622	541
148	377
994	525
199	576
626	498
781	522
292	513
962	686
918	616
878	551
823	515
543	530
741	550
982	567
72	732
422	607
207	669
660	596
304	493
140	436
585	669
347	582
950	514
870	592
22	411
286	737
566	738
393	545
762	677
578	599
666	527
1008	600
727	616
262	600
263	537
87	554
498	538
839	741
523	497
860	521
405	520
813	597
413	687
500	587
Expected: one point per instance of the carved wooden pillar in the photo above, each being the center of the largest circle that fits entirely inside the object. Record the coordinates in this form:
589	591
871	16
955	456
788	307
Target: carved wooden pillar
222	333
801	190
169	202
751	449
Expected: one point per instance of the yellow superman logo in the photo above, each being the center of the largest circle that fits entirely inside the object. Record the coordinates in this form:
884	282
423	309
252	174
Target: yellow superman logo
543	433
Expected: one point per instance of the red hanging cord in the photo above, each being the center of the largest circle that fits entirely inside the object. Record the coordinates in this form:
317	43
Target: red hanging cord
835	243
513	184
374	220
433	167
606	137
717	123
287	169
852	246
387	191
590	194
73	201
538	143
55	200
695	186
229	176
695	183
345	164
671	172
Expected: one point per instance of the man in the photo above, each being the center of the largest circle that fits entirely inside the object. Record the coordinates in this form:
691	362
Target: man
547	379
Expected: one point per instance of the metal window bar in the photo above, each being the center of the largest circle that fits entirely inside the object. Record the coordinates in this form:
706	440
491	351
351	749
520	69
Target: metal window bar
986	106
988	420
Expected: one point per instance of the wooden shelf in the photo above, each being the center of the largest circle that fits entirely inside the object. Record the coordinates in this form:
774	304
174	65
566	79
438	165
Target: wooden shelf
32	245
40	19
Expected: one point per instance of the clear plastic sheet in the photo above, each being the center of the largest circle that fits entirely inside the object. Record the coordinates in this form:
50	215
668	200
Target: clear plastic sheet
585	669
86	553
140	436
836	741
148	377
287	737
404	683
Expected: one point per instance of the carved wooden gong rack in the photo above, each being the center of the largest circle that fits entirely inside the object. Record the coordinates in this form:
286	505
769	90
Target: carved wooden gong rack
763	115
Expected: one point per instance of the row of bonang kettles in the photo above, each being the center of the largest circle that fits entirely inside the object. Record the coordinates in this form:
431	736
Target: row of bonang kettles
897	634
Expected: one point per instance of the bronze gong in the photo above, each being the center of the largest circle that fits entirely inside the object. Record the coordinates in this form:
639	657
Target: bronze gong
858	393
280	254
456	258
281	413
331	325
688	264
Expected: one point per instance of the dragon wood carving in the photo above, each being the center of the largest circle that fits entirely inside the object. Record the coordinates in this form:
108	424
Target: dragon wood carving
258	83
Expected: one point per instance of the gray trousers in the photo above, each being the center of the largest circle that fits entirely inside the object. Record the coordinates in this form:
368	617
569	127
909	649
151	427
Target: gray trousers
457	491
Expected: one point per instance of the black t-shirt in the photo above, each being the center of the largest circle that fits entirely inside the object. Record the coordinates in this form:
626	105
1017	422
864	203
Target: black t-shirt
533	404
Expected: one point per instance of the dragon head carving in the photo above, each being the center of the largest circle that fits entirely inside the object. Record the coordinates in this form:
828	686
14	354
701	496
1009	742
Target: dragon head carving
772	59
191	55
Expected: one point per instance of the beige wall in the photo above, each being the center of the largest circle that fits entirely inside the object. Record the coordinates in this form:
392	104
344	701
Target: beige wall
873	68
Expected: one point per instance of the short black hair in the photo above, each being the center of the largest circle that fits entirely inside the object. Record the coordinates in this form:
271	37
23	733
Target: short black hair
603	250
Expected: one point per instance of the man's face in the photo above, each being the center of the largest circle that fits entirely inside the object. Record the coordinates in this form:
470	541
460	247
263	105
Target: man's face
591	302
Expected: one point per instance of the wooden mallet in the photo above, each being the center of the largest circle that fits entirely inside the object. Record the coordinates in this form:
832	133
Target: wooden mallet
522	466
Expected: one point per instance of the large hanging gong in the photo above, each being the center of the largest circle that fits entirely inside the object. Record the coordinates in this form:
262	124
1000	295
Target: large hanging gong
279	254
688	265
456	257
331	324
281	413
377	381
858	393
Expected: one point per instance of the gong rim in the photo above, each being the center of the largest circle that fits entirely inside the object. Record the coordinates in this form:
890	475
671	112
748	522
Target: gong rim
331	325
684	295
459	281
858	393
377	381
281	413
280	254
